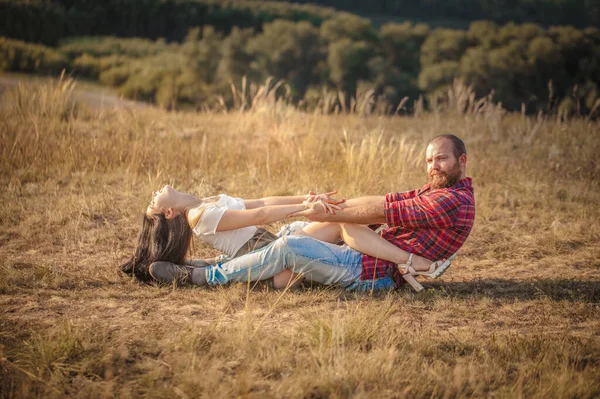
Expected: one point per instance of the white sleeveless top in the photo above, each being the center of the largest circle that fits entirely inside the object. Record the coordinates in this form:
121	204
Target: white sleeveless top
230	241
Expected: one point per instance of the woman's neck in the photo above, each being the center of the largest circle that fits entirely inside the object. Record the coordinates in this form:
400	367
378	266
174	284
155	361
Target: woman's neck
187	201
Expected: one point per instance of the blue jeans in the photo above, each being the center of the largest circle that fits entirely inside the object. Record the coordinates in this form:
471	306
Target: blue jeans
317	261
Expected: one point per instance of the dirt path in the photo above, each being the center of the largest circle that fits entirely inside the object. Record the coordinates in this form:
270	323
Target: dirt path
92	95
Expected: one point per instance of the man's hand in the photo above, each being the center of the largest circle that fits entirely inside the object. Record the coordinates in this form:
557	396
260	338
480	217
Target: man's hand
319	210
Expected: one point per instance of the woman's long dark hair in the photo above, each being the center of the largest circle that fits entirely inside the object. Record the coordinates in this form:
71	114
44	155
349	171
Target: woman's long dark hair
161	239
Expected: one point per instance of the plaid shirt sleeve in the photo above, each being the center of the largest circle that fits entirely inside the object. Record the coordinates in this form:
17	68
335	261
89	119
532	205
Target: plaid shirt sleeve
391	197
435	209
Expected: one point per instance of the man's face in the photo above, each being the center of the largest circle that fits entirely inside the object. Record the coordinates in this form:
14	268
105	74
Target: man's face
443	168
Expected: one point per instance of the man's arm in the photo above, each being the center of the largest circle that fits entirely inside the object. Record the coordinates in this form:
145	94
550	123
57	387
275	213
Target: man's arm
362	210
435	210
401	196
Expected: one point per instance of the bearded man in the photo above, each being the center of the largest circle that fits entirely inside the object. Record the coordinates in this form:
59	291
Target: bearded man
433	221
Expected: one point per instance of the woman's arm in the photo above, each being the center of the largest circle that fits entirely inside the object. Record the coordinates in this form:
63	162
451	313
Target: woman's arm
289	200
269	201
236	219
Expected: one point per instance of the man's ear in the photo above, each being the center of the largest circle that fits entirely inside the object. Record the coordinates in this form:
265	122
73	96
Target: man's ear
169	213
462	160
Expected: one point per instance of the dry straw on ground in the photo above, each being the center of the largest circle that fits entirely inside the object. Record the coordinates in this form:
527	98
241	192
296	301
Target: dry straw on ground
516	316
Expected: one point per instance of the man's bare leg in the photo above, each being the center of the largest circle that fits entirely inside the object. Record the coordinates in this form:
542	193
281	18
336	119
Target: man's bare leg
286	279
362	239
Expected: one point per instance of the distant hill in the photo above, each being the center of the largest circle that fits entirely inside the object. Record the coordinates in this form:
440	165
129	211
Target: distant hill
579	13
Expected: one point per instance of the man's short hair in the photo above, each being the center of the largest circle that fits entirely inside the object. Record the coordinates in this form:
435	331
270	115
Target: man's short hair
458	144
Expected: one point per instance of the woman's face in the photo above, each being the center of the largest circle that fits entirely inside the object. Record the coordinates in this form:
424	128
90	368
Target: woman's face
163	201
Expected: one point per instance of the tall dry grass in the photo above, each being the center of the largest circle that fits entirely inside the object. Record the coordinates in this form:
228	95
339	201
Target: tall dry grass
516	316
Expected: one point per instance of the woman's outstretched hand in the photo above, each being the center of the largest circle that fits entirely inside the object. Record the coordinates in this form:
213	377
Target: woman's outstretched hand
327	197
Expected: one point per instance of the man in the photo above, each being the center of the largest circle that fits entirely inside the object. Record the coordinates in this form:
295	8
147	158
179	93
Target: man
433	222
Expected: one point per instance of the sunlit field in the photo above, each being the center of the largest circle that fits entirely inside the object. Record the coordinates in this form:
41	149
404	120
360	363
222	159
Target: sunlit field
517	314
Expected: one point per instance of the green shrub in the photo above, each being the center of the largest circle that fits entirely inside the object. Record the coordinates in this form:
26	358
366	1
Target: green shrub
16	55
91	67
102	46
117	76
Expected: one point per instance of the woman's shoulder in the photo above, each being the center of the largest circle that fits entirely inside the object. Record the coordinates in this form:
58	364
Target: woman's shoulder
223	201
213	199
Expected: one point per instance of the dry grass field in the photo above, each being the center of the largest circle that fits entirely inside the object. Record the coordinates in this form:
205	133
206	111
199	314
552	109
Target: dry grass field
517	315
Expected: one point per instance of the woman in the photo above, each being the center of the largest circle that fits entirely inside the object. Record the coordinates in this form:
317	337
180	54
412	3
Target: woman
228	224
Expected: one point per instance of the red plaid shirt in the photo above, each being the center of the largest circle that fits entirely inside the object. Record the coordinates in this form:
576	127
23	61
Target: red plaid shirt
426	222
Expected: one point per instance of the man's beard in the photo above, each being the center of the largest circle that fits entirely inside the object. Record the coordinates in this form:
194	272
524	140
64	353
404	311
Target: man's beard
443	179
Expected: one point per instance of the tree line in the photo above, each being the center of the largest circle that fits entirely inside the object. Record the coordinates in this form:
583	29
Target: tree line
48	21
524	65
580	13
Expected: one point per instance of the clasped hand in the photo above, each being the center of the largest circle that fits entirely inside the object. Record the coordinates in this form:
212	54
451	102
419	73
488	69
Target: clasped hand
317	204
